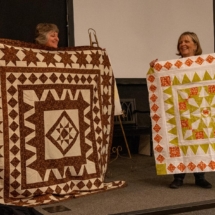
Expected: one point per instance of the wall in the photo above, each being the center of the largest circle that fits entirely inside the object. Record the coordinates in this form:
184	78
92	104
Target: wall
134	32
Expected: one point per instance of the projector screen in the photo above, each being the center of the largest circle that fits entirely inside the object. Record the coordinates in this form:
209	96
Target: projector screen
135	32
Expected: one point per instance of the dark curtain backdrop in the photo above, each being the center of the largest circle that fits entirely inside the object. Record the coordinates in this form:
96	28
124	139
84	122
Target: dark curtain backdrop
18	19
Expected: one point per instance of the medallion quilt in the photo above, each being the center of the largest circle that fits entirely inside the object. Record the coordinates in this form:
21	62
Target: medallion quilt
182	106
56	122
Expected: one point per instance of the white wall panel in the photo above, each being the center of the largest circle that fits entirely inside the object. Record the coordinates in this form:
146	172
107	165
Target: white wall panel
134	32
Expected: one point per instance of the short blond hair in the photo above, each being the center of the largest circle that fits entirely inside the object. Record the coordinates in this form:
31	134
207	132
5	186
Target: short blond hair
194	38
41	31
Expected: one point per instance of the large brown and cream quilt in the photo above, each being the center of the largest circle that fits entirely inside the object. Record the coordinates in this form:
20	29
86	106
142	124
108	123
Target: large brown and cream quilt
182	104
56	122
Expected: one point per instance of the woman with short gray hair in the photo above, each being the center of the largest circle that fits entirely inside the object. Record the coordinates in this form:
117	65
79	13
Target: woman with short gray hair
47	34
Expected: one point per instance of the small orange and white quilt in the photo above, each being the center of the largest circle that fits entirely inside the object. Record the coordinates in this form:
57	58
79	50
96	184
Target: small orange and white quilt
182	106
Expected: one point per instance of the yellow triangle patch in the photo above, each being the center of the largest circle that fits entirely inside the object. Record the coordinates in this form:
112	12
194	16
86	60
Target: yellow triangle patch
207	76
204	147
172	121
184	149
169	101
186	80
196	78
173	131
174	141
161	169
150	71
213	146
175	81
194	148
171	111
168	91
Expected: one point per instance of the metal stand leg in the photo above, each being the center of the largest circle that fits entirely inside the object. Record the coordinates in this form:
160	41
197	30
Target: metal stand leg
119	148
123	132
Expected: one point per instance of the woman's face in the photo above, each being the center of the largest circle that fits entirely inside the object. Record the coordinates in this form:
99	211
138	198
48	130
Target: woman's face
186	46
52	39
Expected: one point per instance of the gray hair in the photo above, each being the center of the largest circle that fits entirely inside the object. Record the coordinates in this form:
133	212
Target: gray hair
41	31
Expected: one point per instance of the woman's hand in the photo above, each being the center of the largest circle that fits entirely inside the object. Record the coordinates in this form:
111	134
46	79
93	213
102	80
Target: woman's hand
152	63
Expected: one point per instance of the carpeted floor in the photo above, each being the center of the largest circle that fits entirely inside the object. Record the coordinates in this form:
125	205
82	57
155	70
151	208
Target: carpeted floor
146	193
